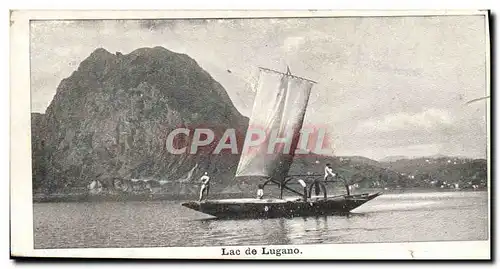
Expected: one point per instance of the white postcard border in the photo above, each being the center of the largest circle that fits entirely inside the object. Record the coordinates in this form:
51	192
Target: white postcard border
21	215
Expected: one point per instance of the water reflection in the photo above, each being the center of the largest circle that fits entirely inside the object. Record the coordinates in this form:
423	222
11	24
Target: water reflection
163	224
280	231
243	231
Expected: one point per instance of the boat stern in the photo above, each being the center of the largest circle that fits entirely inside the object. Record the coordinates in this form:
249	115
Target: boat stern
192	205
374	195
202	207
354	201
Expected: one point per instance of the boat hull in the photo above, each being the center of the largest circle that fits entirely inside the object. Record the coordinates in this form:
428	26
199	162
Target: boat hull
277	208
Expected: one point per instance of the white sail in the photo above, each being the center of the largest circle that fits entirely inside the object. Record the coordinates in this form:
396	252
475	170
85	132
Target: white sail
279	108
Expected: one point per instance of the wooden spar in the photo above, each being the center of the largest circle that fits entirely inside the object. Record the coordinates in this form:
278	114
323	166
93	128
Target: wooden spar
289	189
305	175
296	183
287	74
283	186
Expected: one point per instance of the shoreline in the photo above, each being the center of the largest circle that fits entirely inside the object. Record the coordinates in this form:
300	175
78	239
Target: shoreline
129	197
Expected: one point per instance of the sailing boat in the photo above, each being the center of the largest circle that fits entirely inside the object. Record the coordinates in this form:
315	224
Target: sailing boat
279	106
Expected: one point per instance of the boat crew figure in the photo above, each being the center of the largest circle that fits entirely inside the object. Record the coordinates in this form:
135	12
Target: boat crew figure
328	172
205	185
260	191
304	185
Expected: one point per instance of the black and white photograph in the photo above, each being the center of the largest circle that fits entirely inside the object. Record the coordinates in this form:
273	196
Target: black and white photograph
257	135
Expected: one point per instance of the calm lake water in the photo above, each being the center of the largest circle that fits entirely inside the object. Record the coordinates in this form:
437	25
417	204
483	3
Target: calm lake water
435	216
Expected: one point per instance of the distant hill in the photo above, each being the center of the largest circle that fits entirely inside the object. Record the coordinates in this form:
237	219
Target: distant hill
404	173
441	169
402	157
361	160
394	158
364	171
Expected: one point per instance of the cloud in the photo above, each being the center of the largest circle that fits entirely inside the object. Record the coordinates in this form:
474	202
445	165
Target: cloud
427	119
413	150
155	24
293	43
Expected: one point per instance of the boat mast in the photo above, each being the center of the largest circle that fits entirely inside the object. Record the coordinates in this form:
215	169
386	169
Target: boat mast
279	108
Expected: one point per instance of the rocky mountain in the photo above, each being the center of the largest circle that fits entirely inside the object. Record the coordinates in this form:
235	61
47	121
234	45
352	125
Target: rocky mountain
38	133
110	118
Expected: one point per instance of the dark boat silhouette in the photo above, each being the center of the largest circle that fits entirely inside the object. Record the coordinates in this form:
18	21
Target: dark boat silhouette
279	106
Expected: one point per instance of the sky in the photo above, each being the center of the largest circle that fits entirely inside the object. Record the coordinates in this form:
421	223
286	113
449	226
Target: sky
386	86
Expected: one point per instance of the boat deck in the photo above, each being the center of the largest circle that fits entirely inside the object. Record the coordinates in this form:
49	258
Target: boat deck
255	200
268	200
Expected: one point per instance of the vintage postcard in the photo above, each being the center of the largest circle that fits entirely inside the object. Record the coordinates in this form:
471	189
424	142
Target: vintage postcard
250	134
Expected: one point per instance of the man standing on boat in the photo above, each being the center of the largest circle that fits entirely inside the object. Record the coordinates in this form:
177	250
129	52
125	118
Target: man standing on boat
304	185
260	191
328	172
205	185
